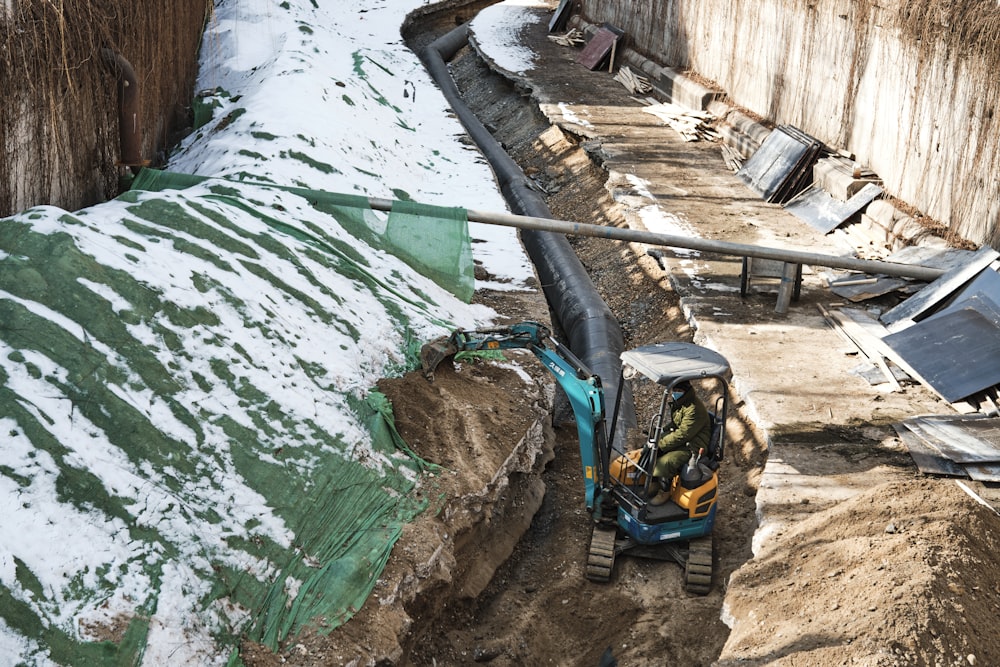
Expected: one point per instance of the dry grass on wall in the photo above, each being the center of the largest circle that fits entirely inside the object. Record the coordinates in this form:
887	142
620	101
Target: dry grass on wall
961	37
952	51
966	32
59	129
971	28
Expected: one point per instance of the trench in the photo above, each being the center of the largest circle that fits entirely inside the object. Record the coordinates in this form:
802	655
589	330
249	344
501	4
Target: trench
532	582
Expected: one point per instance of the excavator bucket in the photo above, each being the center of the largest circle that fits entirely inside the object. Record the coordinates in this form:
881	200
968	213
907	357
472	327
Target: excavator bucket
482	342
434	352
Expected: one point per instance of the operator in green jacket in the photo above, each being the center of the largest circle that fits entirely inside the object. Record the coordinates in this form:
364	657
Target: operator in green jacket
691	430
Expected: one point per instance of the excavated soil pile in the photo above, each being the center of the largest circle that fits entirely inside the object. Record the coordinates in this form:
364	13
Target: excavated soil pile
903	574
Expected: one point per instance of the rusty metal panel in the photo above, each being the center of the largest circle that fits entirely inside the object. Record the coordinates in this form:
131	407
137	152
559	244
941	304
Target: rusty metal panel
599	47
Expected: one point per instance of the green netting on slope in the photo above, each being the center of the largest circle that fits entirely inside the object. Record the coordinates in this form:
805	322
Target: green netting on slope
434	240
348	552
62	647
203	107
421	244
129	341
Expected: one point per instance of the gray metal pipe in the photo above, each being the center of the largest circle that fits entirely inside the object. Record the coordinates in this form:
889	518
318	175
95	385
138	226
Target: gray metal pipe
692	243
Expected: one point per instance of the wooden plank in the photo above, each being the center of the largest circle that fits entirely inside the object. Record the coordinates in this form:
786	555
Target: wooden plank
635	83
690	124
865	342
878	333
834	324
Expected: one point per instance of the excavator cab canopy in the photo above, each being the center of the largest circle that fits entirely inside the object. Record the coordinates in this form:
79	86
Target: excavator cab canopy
668	363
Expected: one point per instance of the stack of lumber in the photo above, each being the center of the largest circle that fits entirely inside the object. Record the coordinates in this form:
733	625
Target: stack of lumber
572	38
691	124
637	85
733	158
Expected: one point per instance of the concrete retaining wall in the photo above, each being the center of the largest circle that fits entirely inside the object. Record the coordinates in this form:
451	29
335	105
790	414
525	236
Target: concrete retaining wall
920	113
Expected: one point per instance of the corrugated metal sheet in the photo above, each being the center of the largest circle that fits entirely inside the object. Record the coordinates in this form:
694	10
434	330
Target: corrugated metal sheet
956	354
954	445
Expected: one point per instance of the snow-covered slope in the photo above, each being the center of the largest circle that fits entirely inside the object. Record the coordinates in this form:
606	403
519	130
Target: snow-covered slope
184	375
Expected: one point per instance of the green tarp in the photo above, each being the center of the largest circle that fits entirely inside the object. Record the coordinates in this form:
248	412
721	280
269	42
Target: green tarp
433	240
172	402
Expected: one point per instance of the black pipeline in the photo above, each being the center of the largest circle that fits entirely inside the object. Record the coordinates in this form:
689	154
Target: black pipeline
592	331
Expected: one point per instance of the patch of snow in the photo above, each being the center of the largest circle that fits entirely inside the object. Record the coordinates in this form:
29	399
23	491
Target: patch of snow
500	25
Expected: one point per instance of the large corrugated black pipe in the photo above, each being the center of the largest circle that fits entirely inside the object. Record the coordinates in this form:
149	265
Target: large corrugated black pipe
591	329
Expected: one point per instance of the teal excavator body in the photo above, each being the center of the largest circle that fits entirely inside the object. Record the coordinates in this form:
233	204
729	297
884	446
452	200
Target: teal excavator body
616	477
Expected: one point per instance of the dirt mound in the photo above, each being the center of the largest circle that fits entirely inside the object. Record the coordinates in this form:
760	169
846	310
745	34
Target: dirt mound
902	574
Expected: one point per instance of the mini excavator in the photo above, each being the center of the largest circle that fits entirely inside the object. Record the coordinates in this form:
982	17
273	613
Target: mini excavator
617	478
